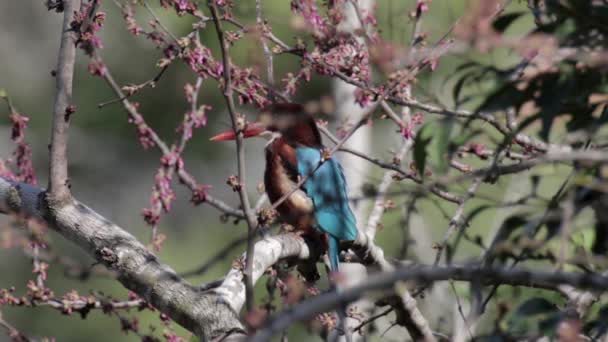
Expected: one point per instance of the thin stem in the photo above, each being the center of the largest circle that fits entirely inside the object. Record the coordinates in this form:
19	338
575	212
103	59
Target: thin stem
183	175
267	53
13	333
240	147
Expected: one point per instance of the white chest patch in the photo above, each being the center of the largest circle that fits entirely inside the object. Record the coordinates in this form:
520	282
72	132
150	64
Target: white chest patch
298	198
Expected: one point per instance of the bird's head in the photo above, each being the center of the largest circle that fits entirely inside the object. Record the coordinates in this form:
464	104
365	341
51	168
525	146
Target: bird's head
288	120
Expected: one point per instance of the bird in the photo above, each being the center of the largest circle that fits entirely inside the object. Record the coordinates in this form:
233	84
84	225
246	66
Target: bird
295	150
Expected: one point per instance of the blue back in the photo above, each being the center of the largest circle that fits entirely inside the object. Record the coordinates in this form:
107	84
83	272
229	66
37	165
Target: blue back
327	189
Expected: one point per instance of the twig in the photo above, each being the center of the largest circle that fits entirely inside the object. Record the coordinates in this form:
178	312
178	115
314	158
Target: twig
580	301
460	311
13	333
220	256
520	138
554	200
391	166
457	220
228	92
67	306
267	53
565	229
183	175
58	186
417	26
500	170
387	180
373	318
157	20
136	88
193	108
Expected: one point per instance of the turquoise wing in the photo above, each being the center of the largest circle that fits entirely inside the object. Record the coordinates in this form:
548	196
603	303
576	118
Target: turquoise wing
327	189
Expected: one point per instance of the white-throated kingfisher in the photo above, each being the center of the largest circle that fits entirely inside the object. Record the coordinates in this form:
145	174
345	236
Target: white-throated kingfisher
295	150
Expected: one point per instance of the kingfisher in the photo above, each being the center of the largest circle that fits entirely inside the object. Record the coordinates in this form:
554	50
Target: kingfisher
295	150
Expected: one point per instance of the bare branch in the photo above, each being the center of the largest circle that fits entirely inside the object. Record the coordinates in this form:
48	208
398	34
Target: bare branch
267	252
240	148
184	176
379	203
12	332
386	280
457	220
58	188
267	53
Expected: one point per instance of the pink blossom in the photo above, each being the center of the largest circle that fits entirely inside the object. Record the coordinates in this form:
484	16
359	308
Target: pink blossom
201	60
163	188
128	15
23	155
150	217
19	124
422	6
364	97
417	118
308	10
144	132
97	68
199	194
406	131
5	172
478	149
181	5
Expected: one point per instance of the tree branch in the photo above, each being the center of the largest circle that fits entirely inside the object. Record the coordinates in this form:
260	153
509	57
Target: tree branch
386	280
12	332
58	188
267	252
184	176
203	313
240	148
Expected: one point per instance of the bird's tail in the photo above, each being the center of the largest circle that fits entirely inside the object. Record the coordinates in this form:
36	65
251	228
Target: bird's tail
334	252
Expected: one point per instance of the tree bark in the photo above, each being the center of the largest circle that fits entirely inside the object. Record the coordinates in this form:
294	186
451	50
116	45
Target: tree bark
59	189
204	313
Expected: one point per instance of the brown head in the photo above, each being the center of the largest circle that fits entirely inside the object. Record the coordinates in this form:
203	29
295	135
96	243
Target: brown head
288	120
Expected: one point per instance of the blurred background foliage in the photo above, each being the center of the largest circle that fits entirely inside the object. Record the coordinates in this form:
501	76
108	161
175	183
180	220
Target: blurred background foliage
114	175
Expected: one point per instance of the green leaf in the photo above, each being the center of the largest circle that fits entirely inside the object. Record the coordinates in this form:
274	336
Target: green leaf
535	306
508	226
464	137
443	144
475	212
504	21
534	314
422	140
549	325
3	93
458	87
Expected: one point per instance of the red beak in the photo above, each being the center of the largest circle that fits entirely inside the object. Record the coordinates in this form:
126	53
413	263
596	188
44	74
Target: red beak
252	130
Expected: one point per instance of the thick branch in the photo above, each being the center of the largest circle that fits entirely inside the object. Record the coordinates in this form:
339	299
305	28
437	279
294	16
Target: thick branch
267	253
58	167
203	313
516	277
